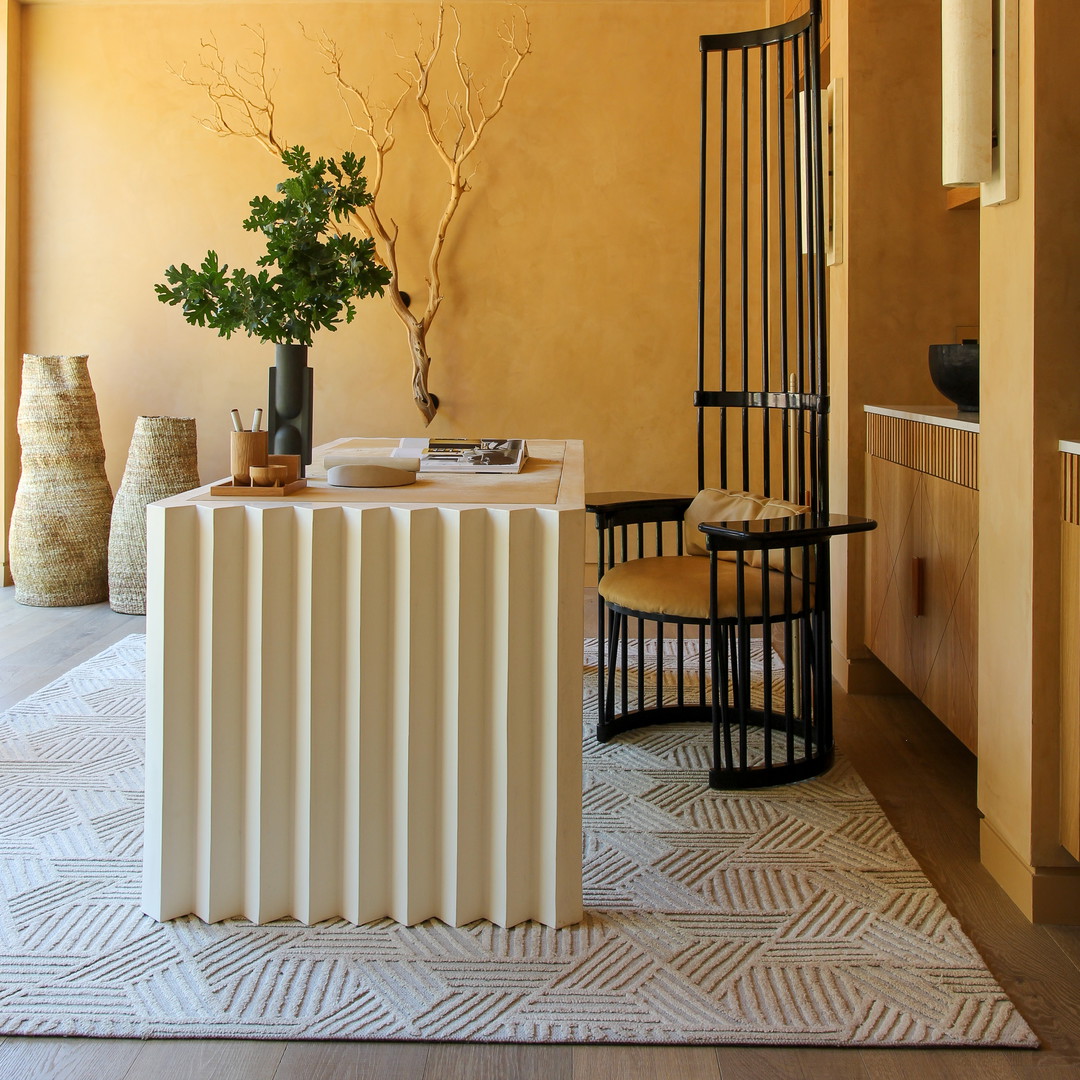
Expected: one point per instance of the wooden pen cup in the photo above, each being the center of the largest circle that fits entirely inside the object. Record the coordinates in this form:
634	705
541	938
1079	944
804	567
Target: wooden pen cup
246	448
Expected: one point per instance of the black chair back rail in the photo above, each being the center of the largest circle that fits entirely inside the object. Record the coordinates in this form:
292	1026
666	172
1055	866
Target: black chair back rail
761	266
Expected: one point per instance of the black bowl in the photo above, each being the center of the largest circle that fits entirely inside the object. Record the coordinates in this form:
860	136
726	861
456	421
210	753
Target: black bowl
955	371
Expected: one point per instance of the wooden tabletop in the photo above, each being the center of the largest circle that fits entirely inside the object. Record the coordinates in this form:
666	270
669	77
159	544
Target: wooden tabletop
552	476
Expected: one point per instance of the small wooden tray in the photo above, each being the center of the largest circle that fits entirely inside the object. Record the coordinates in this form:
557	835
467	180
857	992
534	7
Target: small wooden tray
253	492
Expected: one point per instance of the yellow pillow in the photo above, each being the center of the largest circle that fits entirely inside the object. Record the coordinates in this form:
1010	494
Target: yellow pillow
716	504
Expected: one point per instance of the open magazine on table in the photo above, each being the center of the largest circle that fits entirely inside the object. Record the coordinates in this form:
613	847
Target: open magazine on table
473	455
434	455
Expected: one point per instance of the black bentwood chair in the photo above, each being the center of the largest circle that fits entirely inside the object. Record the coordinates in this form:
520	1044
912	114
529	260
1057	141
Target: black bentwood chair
751	554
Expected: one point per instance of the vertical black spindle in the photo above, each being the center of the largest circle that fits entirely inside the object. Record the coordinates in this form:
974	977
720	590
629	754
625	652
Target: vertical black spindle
810	109
789	662
702	211
601	615
766	659
742	656
782	270
744	260
806	658
766	382
801	232
702	681
723	270
717	712
727	691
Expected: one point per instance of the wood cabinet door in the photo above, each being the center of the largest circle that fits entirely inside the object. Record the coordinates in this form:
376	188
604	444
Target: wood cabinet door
923	589
950	635
892	500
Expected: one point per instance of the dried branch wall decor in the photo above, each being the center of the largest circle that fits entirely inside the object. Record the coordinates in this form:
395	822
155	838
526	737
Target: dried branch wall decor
242	103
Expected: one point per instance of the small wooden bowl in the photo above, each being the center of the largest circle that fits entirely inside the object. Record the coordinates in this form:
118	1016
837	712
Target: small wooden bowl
268	475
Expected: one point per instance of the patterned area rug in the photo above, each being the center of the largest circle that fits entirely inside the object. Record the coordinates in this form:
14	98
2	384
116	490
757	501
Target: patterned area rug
791	916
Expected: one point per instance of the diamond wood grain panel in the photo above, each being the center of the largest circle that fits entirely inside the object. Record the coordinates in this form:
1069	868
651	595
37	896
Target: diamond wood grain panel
936	521
949	634
892	497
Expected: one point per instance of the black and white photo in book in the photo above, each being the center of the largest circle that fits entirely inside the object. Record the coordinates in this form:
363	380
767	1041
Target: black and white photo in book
473	455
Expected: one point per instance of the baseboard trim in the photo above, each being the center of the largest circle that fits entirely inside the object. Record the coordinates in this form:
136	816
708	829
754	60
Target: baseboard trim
864	675
1048	894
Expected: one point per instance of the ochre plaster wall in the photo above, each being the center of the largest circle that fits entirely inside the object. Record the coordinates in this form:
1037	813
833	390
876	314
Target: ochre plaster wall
910	271
10	36
570	272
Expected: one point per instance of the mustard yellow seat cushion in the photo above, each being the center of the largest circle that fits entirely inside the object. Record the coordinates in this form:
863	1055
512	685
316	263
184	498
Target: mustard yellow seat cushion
678	585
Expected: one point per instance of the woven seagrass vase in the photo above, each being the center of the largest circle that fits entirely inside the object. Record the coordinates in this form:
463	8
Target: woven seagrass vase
59	538
162	461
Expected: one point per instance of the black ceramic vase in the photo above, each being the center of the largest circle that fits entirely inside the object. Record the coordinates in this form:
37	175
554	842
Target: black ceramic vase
955	371
288	416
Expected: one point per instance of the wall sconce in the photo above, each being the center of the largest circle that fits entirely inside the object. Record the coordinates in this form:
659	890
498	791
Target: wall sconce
967	85
979	88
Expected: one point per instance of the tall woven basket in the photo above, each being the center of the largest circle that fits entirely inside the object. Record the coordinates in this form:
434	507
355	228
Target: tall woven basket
162	461
59	538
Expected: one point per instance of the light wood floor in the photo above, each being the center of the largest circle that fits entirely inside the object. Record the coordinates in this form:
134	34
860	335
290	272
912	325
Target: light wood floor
923	778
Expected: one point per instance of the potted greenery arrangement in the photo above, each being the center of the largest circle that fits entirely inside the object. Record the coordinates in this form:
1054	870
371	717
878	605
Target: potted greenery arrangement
312	272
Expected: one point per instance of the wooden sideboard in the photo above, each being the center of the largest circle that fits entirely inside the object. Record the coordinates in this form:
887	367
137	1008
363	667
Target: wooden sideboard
923	558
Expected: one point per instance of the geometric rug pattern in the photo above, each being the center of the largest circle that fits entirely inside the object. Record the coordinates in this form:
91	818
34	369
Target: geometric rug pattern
793	915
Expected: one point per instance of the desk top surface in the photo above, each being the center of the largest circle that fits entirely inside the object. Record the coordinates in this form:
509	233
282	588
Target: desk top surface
553	477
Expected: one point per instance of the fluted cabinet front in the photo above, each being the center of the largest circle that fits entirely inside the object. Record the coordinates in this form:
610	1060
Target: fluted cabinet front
364	711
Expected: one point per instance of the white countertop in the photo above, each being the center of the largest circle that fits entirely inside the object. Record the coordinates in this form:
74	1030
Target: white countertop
939	415
1068	446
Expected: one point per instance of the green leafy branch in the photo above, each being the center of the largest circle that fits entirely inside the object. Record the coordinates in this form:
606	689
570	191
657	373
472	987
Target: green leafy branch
320	269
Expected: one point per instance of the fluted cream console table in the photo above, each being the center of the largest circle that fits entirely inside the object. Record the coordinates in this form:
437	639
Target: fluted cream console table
367	702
